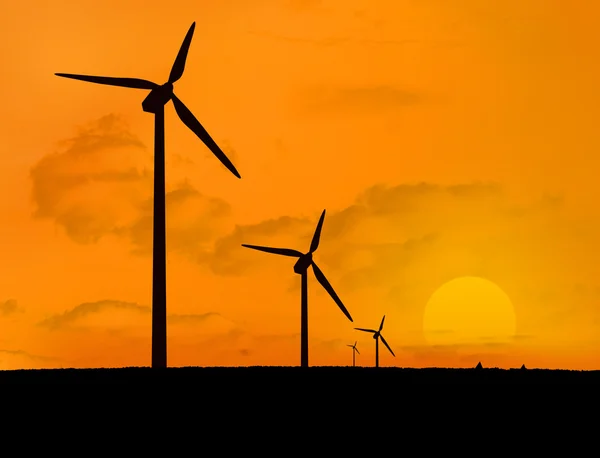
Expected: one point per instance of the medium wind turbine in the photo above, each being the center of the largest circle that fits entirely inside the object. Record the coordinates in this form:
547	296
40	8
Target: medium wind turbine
354	351
377	335
301	268
155	103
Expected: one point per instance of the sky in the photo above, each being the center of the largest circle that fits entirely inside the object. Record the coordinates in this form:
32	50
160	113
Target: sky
444	138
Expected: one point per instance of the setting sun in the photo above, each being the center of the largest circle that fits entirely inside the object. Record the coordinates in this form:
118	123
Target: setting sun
469	311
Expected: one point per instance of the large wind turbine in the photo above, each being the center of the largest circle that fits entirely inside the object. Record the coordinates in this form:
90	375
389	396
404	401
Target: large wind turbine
301	268
377	335
155	103
354	351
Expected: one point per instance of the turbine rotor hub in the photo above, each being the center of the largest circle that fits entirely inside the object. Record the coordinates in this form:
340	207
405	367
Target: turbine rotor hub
158	98
302	263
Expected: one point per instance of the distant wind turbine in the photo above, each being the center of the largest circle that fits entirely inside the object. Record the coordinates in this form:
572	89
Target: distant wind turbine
155	103
354	351
301	268
377	335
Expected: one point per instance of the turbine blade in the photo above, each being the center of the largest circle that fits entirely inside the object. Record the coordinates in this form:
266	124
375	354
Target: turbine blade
179	64
366	330
357	350
281	251
133	83
355	342
321	279
381	325
194	125
350	346
386	344
317	235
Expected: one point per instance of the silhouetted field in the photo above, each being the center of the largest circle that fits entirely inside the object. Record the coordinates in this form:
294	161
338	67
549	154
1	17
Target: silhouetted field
321	376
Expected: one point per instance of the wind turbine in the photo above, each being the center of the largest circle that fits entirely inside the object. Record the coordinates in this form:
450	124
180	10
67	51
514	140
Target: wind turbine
354	351
301	268
155	103
377	335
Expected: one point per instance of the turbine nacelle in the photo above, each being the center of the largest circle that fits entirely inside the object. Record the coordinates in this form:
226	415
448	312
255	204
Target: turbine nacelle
158	98
303	263
375	335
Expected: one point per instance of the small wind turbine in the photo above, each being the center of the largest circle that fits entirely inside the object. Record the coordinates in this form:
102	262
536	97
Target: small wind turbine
354	351
155	103
377	335
301	268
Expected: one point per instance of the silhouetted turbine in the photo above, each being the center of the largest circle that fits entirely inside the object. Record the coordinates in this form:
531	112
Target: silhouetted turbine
155	103
377	335
301	268
354	351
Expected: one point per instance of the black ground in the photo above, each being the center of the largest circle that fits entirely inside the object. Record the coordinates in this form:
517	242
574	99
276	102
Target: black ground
222	377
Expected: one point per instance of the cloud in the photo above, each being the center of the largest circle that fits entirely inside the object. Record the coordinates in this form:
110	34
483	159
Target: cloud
228	257
26	355
90	186
357	99
100	183
176	319
192	220
395	245
9	307
385	226
179	160
119	317
80	313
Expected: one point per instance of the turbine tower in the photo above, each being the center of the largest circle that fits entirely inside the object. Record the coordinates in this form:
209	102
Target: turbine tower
354	351
377	335
155	103
301	268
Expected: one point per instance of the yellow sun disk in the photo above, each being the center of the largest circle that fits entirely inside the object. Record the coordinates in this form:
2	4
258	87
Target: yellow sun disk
471	311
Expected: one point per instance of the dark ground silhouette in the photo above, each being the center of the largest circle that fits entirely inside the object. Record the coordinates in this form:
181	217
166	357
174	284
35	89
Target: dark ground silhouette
220	378
155	103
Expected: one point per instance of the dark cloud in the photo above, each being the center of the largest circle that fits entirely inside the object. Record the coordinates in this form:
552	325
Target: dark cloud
100	183
9	307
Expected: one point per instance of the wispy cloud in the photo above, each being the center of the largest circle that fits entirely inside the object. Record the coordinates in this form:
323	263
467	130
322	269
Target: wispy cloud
27	355
81	311
9	307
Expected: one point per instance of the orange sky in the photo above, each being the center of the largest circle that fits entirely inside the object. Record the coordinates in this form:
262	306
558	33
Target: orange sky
444	138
